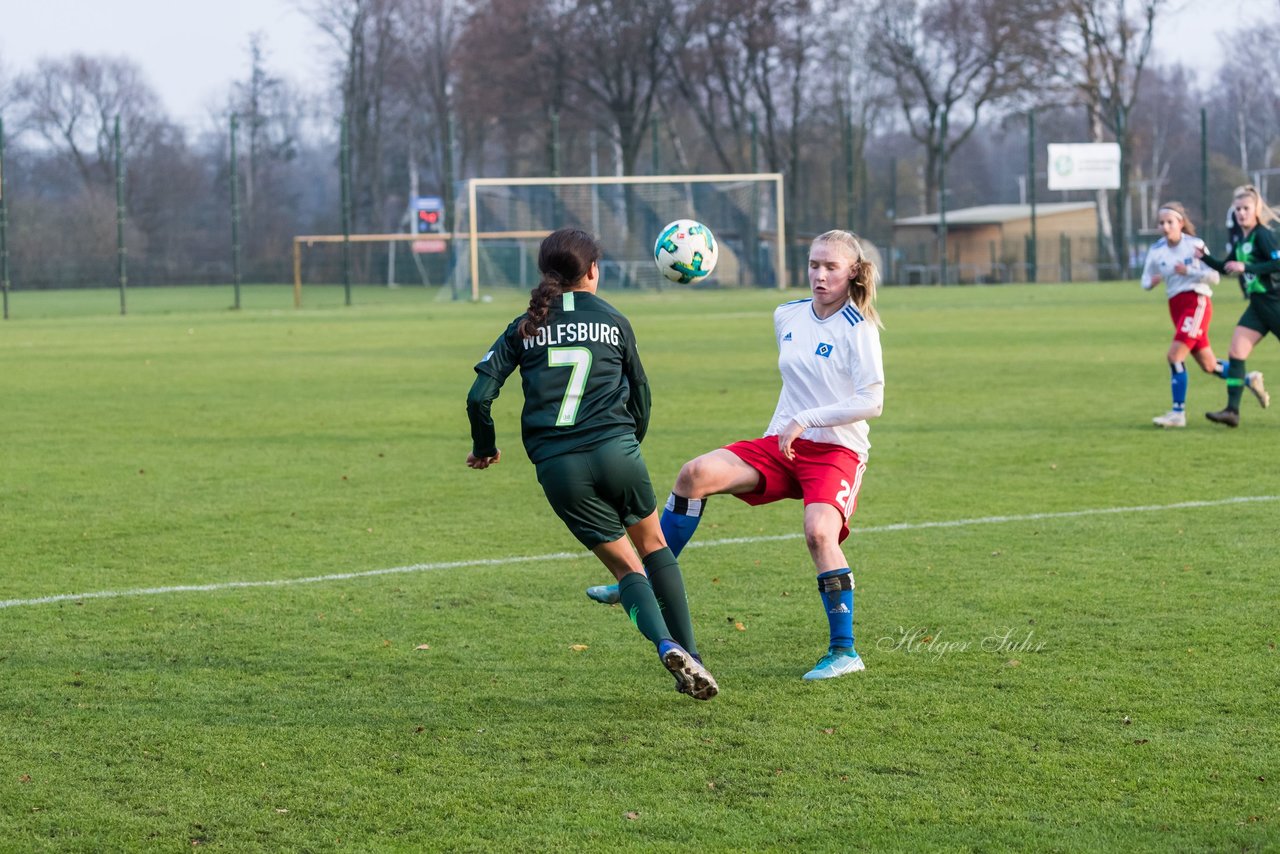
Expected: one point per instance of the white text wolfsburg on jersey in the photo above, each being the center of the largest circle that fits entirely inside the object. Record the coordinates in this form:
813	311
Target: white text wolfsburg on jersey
573	333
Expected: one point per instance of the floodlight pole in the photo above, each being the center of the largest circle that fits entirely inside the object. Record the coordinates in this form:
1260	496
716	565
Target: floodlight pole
942	202
120	248
755	207
893	215
1032	249
848	171
4	228
554	143
345	169
653	144
1204	169
235	213
864	197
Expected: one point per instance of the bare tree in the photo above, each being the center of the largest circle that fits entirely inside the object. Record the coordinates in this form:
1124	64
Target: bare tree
72	104
859	91
431	30
713	80
264	102
951	59
1110	41
1164	137
515	78
1244	100
619	50
779	78
364	31
7	95
727	70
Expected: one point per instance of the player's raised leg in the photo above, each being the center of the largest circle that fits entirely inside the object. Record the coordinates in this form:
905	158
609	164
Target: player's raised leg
641	605
714	473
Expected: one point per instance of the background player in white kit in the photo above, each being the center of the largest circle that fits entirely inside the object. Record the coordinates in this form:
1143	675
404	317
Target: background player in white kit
816	445
1188	285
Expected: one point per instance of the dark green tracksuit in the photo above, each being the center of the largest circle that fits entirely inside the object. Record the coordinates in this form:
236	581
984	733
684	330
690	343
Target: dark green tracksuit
586	409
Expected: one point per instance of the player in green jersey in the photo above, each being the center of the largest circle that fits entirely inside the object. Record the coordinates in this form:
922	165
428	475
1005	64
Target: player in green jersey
586	409
1255	255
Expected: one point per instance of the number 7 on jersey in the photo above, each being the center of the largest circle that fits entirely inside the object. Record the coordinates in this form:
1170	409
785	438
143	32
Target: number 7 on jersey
579	359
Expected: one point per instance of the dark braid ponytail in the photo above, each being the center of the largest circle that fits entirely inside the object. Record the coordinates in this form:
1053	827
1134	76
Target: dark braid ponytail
564	259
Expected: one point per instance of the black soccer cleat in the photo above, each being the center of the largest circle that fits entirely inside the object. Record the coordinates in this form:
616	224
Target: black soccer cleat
1228	416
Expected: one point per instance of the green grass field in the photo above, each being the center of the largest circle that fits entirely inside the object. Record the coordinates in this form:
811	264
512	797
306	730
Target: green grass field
1069	617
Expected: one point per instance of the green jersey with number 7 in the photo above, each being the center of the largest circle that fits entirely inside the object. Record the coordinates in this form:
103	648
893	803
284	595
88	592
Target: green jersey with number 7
582	379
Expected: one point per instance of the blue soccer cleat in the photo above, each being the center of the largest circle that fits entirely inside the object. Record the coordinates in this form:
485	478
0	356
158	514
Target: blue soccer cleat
837	662
605	594
691	677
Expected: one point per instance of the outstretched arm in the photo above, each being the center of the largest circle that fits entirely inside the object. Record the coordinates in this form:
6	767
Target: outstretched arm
866	404
1203	254
484	447
1150	275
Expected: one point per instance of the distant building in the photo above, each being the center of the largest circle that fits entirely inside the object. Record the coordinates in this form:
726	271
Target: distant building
989	244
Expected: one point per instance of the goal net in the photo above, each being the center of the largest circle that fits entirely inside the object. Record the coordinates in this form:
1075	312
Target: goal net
501	222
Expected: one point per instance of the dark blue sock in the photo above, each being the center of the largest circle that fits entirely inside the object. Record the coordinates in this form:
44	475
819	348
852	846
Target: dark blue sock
679	520
1178	381
836	588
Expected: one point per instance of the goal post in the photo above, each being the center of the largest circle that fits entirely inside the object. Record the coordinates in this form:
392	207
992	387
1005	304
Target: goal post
505	218
302	241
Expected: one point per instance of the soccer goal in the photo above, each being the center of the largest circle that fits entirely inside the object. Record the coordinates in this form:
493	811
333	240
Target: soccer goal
502	221
382	259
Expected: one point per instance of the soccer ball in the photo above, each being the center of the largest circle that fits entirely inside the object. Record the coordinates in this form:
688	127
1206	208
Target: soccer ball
685	251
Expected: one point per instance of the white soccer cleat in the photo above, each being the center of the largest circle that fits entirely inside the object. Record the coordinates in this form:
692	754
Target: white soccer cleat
1253	382
691	677
1172	418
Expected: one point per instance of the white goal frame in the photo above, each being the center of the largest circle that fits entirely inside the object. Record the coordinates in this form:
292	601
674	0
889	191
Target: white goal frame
473	234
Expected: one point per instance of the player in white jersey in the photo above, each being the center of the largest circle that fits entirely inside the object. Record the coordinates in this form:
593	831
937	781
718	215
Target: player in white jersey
816	445
1188	285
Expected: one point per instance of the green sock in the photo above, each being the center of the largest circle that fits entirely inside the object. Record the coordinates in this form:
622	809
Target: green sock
1235	383
668	587
642	606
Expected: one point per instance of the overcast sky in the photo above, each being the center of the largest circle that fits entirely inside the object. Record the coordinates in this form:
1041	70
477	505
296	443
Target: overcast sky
192	51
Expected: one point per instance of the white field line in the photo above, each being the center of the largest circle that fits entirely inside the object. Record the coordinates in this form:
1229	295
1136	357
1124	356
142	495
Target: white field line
563	556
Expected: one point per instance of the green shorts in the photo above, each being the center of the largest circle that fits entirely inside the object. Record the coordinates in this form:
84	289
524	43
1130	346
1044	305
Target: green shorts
1262	315
600	492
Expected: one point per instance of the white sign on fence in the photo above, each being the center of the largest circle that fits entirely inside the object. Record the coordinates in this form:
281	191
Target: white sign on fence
1084	166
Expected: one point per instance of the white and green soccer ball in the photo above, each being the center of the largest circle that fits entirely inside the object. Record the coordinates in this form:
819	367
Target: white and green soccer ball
685	251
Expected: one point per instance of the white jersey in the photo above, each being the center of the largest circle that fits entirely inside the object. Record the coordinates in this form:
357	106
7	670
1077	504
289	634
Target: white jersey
832	374
1162	258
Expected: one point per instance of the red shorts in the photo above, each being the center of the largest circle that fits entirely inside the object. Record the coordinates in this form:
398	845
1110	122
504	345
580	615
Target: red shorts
1191	313
821	473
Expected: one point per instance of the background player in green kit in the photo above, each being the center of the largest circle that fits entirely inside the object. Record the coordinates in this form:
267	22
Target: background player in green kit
586	409
1255	255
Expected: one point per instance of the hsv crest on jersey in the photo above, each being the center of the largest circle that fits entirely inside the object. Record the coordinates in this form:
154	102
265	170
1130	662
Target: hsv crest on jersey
824	350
